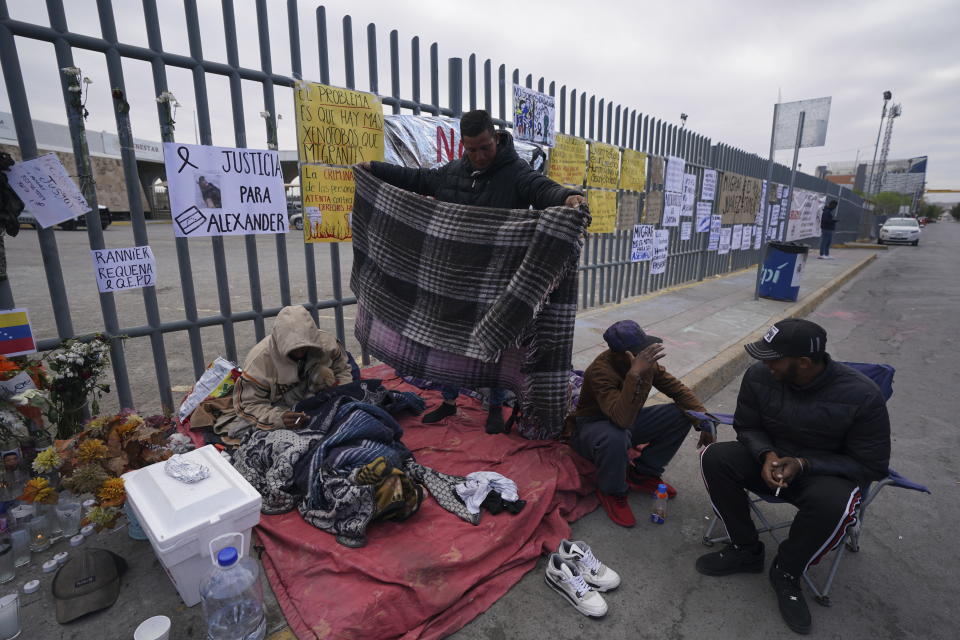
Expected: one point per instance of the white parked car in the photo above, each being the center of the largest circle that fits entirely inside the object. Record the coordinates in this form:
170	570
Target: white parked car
900	230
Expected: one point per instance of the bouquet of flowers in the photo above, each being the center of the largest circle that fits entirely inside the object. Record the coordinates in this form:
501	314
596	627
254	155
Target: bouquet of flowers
17	420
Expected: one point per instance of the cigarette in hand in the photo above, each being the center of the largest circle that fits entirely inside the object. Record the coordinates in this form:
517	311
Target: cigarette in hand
776	494
300	419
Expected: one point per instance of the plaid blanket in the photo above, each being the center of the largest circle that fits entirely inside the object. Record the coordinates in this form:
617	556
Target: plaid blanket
469	296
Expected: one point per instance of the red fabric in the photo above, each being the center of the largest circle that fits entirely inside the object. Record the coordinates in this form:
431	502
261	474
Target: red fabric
430	575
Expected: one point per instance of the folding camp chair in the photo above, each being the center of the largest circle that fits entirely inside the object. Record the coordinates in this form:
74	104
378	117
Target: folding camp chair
882	375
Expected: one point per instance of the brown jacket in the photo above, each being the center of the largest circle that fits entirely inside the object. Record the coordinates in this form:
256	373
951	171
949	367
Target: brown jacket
609	392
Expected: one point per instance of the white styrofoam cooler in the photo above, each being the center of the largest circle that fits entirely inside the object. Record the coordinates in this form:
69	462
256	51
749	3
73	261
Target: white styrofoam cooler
181	519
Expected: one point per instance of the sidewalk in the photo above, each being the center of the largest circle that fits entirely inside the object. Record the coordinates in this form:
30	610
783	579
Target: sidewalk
703	324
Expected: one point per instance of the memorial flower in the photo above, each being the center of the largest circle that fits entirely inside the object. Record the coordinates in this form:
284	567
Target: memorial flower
39	491
47	461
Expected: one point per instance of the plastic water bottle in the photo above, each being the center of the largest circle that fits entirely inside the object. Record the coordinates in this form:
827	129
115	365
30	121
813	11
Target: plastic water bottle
233	598
659	513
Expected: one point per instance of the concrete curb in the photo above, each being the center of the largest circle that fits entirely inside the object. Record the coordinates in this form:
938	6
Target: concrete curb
713	375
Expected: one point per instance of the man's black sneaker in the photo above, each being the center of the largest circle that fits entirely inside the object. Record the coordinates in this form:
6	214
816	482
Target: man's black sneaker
494	420
793	608
732	559
445	409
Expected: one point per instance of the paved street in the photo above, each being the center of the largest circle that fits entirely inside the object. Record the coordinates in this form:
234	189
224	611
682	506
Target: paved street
901	310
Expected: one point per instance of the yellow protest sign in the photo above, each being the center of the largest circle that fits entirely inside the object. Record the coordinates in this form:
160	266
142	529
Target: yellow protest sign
337	126
603	210
568	160
633	170
604	167
327	203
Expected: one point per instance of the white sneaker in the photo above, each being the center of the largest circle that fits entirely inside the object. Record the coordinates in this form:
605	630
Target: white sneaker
595	573
566	579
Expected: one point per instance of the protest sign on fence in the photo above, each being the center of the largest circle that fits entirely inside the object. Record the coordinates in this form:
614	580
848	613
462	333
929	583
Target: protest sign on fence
757	236
603	210
739	198
703	216
672	204
337	126
653	207
603	168
736	237
685	228
47	191
120	269
533	116
327	203
655	172
661	240
709	189
628	210
219	191
746	240
714	240
689	193
674	176
804	220
568	160
641	247
724	245
633	170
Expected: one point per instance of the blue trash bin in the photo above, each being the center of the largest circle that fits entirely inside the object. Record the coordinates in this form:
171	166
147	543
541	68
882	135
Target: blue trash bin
782	268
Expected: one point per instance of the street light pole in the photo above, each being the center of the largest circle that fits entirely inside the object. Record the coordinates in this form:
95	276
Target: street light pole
887	95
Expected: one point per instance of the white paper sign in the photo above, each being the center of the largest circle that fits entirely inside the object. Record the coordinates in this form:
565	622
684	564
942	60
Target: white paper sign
47	191
121	269
724	246
661	240
642	246
685	228
757	237
761	205
673	182
714	240
703	217
16	385
672	204
747	240
736	238
689	193
220	191
709	189
798	270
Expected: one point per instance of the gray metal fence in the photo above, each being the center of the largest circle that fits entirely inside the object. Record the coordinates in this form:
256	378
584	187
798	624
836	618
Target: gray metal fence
607	275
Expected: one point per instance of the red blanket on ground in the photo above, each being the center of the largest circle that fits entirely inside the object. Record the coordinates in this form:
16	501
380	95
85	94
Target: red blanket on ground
430	575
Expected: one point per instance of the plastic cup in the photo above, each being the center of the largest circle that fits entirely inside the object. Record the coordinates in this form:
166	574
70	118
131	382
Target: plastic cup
155	628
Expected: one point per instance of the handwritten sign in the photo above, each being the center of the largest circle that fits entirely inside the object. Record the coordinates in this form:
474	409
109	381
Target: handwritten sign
327	203
655	172
603	210
672	204
221	191
641	247
674	178
703	216
714	240
46	190
568	160
685	228
533	116
736	237
739	198
758	237
724	247
761	204
121	269
709	189
746	240
603	169
653	207
661	240
804	221
337	126
633	170
689	194
16	385
628	210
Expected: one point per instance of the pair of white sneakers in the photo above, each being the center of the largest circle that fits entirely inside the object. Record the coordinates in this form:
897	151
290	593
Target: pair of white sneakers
576	574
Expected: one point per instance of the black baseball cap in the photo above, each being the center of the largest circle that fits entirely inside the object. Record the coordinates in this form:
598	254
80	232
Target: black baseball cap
790	338
88	581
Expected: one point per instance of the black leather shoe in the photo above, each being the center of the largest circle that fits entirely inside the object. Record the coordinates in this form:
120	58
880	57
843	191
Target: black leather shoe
732	559
438	414
793	608
494	420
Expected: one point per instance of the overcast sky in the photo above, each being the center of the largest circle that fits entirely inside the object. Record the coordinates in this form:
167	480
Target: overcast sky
723	63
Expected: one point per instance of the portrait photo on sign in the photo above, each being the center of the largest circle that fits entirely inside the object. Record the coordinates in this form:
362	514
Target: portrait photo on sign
208	191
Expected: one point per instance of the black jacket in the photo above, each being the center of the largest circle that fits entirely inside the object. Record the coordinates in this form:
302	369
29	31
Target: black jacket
838	422
508	183
828	219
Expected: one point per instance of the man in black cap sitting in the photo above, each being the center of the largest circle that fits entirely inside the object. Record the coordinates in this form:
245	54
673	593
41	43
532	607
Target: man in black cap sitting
810	431
611	418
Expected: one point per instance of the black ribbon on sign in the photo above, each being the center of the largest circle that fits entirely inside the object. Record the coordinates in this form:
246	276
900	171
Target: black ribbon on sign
184	154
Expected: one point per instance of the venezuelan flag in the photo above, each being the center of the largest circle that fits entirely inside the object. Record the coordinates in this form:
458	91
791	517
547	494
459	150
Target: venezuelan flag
16	336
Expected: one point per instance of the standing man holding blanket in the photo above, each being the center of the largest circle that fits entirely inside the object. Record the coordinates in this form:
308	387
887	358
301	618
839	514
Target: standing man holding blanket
490	174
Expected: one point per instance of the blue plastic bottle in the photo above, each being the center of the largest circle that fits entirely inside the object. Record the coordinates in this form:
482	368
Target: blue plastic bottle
659	513
233	598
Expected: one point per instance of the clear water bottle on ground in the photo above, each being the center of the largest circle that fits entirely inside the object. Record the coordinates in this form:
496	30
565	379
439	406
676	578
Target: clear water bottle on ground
233	597
659	513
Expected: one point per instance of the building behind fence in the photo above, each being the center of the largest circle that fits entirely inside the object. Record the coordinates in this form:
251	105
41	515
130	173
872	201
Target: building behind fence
607	274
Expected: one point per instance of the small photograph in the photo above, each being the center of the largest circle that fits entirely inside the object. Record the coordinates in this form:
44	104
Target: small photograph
208	191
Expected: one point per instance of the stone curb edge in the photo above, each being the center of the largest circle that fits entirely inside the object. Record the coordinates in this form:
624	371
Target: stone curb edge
713	375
